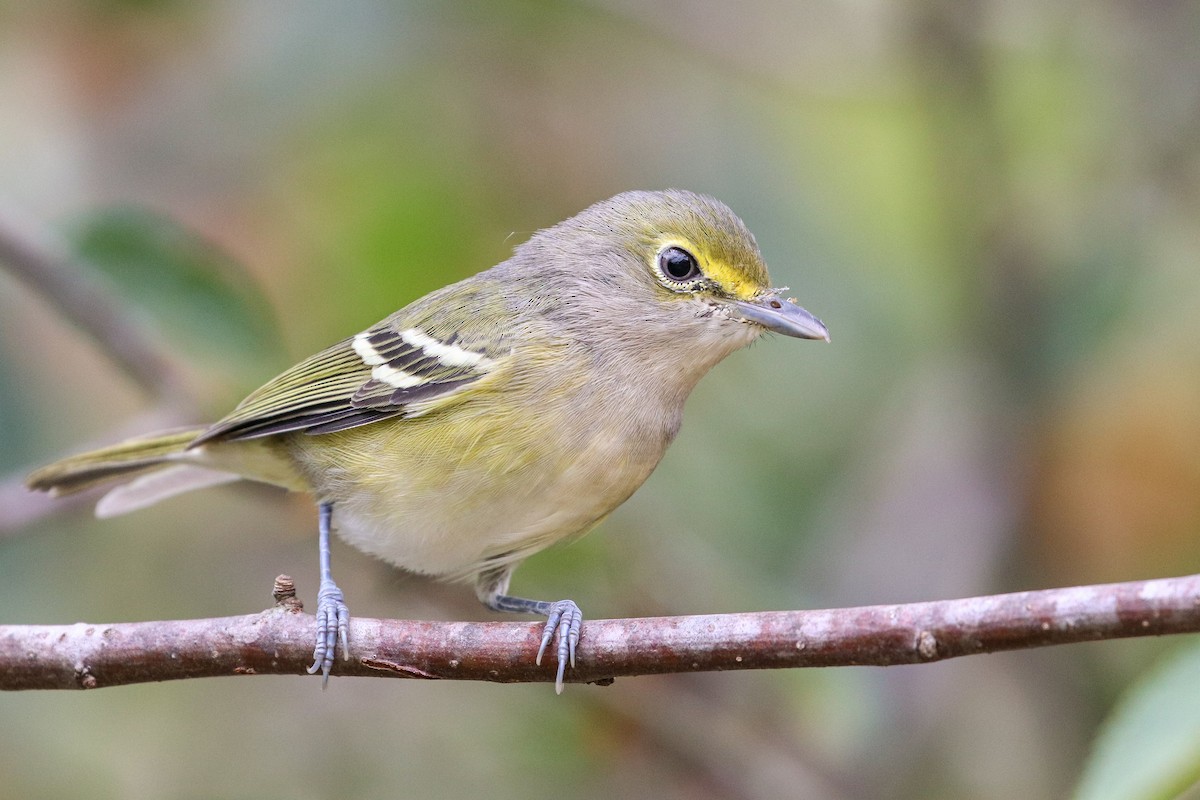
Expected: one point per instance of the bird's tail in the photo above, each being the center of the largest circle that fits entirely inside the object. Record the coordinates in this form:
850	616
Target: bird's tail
148	469
117	462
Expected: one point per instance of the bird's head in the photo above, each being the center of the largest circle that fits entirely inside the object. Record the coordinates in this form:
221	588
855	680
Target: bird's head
672	257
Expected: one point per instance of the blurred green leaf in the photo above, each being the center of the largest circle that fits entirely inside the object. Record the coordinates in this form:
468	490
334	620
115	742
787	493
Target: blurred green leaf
199	298
1088	304
1149	749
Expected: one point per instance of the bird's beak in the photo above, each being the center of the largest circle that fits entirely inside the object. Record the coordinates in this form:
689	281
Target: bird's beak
780	315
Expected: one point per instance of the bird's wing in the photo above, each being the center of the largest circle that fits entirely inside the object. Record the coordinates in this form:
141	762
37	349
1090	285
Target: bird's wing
414	362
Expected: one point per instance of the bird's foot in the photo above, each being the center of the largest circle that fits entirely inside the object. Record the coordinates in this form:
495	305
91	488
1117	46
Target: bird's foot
333	625
564	619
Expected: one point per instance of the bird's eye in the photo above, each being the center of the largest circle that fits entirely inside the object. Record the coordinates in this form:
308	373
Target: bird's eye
678	264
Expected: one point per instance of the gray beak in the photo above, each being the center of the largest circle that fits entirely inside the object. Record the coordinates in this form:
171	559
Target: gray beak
781	316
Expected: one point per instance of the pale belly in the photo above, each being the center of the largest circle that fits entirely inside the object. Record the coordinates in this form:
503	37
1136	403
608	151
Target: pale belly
457	539
497	511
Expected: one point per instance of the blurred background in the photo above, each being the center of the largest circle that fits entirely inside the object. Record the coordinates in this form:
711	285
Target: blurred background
993	205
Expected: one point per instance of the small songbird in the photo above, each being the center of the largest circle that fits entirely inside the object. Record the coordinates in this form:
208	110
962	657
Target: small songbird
493	417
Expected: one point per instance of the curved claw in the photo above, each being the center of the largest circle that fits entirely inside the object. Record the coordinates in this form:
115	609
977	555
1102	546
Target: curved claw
333	625
563	622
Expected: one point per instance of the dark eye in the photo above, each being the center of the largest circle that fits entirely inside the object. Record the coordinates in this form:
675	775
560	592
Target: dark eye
678	264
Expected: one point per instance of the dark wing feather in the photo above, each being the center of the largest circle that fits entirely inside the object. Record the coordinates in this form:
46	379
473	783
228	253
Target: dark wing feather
338	389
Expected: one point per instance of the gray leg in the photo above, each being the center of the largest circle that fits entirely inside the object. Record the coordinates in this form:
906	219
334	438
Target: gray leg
563	617
333	617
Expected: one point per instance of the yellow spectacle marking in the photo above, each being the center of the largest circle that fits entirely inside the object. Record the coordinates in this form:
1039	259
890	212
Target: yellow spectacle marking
733	280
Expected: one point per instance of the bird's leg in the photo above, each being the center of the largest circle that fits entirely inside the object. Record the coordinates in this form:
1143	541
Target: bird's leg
563	617
333	617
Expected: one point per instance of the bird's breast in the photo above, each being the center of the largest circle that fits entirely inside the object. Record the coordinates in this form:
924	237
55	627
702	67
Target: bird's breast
496	486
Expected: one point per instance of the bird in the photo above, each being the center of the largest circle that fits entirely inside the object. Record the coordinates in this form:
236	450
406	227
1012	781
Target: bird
490	418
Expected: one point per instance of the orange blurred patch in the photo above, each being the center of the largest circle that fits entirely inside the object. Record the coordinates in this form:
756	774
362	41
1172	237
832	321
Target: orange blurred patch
1117	494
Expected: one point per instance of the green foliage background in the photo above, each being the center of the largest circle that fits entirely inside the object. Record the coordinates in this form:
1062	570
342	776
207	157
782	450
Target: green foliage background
993	205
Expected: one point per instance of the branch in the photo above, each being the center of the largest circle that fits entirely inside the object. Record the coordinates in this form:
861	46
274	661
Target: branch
279	641
45	265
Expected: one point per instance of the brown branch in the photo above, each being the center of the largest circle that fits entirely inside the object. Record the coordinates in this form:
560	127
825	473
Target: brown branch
279	641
